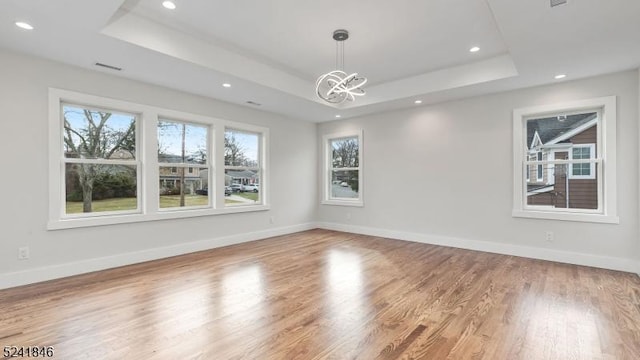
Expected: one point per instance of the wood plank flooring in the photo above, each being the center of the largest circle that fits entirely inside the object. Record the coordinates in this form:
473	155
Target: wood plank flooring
328	295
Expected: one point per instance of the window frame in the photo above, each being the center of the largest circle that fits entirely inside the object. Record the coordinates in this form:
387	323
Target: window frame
605	162
328	169
146	155
190	166
64	161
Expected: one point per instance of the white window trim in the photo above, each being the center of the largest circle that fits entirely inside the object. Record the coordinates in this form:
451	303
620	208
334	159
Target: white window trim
148	174
326	170
592	167
607	198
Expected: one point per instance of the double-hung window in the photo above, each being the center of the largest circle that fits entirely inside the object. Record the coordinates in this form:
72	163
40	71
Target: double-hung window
572	148
343	169
100	161
183	160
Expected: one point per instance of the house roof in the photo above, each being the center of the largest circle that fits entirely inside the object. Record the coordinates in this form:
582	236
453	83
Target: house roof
241	174
550	128
534	187
175	159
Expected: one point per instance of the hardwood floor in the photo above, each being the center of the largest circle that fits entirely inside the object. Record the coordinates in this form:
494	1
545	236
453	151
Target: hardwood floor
328	295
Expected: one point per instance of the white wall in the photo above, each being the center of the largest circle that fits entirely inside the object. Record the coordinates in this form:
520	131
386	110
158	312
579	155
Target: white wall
443	174
24	83
425	177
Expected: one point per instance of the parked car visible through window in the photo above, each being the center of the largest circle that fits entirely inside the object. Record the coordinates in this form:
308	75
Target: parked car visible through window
250	187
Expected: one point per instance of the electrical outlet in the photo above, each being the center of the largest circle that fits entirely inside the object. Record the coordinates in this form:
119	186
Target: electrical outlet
549	236
348	216
272	219
23	253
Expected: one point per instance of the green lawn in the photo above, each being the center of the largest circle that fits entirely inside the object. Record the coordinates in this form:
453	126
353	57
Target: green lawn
166	201
249	195
119	204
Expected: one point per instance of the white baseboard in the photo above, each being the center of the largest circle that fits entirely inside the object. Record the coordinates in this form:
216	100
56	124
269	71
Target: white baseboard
605	262
13	279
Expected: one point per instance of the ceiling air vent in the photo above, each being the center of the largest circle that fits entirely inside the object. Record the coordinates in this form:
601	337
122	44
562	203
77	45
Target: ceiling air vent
253	103
111	67
558	2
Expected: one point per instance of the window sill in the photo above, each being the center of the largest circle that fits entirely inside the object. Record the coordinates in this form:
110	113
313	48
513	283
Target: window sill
72	223
357	203
551	215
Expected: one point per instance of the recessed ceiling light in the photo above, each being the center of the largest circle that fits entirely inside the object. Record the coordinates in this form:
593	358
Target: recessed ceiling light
338	116
560	76
169	5
227	85
474	49
418	102
24	25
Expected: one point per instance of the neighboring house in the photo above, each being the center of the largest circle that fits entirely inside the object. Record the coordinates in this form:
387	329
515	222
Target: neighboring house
244	177
170	176
561	138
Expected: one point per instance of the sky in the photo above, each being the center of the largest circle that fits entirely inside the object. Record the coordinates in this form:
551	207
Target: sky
75	116
169	133
170	138
248	142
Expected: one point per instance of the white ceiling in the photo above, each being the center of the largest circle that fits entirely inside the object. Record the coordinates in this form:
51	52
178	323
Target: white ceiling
272	51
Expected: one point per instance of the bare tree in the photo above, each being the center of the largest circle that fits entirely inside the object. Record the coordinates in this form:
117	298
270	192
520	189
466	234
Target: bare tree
233	151
174	129
345	153
96	140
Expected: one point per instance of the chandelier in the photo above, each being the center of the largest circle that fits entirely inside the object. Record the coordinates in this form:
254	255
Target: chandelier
337	86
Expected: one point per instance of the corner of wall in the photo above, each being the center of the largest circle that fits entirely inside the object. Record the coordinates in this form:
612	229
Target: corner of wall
638	240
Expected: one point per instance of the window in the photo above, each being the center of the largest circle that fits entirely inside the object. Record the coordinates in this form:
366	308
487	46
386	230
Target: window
183	146
343	174
242	167
113	162
529	168
539	170
582	170
100	161
572	147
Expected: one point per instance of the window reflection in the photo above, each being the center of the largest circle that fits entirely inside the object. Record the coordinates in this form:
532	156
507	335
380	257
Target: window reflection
243	293
346	298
